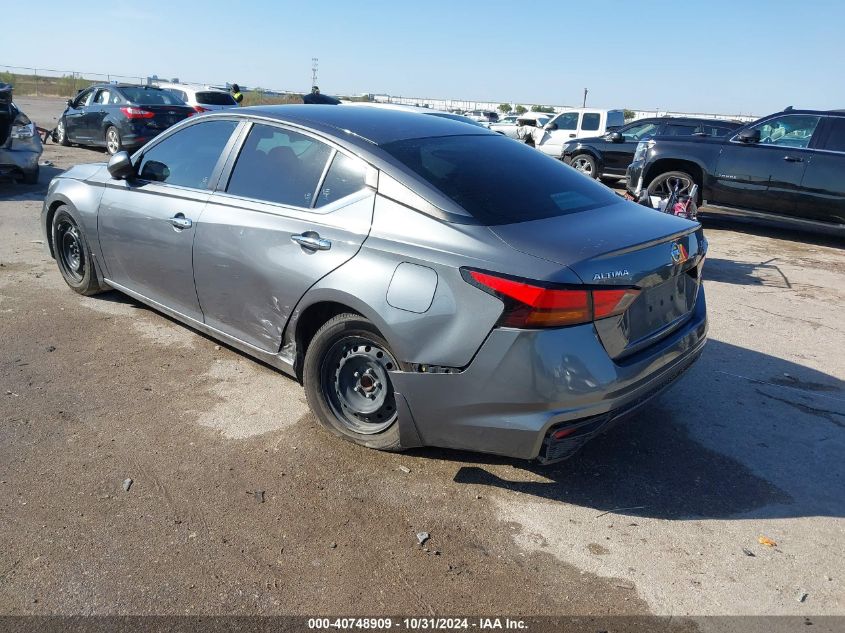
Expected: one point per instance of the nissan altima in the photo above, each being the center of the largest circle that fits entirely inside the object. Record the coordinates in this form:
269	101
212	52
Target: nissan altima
431	283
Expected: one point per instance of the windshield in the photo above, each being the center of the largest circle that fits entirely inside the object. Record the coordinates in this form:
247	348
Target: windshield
150	96
499	181
216	97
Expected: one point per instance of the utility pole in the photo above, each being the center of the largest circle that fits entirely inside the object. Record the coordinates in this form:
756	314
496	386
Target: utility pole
314	62
585	98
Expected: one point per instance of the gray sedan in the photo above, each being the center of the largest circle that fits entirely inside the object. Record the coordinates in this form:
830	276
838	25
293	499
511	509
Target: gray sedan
430	283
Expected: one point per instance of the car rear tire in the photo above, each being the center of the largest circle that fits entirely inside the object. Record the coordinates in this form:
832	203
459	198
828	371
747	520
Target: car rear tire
585	164
61	133
662	184
347	382
73	255
113	142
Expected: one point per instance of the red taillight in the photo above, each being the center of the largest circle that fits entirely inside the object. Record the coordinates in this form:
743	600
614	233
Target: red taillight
199	108
137	113
528	305
608	303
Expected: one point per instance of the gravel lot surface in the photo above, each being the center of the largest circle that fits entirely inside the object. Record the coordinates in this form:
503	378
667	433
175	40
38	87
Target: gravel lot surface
241	504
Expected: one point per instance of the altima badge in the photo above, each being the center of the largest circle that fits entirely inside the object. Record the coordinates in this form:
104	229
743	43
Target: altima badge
611	274
679	253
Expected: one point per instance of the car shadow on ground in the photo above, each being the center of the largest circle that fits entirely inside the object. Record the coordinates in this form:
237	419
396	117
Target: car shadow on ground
801	238
742	435
766	273
10	190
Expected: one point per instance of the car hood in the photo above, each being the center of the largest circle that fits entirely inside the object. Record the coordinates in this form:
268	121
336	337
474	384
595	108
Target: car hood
84	171
600	240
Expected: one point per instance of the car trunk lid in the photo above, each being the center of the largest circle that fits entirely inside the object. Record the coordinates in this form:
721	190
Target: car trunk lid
623	245
166	115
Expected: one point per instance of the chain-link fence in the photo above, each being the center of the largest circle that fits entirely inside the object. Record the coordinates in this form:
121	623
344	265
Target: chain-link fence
50	82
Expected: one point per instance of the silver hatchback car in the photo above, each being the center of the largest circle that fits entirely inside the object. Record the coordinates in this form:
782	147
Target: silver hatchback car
431	283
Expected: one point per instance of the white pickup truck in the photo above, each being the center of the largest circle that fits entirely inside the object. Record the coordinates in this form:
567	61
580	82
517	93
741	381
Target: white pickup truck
576	123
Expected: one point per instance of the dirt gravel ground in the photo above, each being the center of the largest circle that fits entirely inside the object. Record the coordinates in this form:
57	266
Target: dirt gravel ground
241	504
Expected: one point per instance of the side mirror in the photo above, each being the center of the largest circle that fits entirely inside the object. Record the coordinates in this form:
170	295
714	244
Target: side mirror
120	166
69	103
551	126
749	136
615	137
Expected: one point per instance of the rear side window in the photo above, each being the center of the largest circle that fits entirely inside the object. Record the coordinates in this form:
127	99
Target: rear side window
498	181
188	157
150	96
278	165
216	97
591	121
836	137
346	176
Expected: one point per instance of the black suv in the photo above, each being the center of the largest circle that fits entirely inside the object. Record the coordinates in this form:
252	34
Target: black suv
786	167
119	116
610	155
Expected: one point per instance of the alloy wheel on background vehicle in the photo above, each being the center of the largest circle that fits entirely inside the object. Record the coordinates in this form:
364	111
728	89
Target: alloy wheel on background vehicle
584	165
69	250
112	141
665	184
356	384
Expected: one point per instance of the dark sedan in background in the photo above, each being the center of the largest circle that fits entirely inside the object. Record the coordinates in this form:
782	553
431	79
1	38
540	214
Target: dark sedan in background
119	116
610	155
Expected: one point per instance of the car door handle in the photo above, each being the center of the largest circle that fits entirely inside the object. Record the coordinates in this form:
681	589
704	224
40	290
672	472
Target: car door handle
181	222
571	136
312	241
793	159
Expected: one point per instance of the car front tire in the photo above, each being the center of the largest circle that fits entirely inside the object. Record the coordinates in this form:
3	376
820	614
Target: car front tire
585	164
73	255
61	133
347	382
663	184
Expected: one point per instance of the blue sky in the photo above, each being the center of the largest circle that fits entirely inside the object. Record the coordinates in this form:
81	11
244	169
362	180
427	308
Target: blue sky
717	56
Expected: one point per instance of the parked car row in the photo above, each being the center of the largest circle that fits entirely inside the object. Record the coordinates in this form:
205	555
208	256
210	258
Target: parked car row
785	168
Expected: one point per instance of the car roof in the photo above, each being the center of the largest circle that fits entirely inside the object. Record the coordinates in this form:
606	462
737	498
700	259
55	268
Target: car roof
377	126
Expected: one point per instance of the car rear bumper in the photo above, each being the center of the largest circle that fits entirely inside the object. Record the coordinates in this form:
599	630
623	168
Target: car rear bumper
525	385
16	161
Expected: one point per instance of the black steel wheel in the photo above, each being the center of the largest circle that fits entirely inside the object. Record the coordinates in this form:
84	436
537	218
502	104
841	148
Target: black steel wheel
347	378
72	254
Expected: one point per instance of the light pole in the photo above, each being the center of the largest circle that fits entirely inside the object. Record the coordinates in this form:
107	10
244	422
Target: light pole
314	62
585	98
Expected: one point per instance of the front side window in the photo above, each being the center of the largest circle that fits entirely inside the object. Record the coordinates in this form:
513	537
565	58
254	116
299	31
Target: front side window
639	131
84	99
788	131
188	157
567	121
345	177
102	97
679	129
498	181
278	165
591	121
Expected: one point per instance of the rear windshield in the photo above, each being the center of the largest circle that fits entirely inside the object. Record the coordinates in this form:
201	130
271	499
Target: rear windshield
150	96
216	97
498	180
